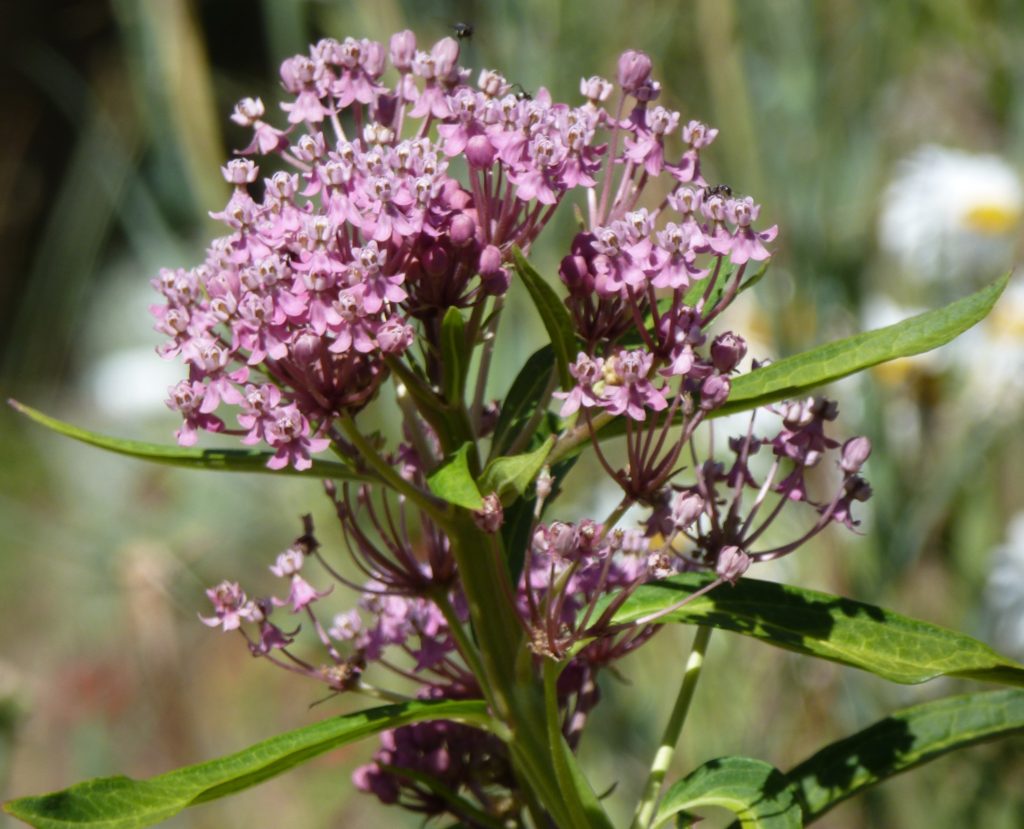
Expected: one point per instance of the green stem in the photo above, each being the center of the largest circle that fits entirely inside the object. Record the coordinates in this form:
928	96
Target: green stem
388	475
574	437
459	805
667	748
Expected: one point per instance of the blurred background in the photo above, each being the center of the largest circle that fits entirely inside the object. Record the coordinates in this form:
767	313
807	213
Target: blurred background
886	140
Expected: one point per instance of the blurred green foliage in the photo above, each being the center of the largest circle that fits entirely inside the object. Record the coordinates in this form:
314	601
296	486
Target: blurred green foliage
115	124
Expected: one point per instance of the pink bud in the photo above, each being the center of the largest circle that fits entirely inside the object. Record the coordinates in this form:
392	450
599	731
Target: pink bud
445	54
462	229
855	452
634	70
403	50
491	516
732	563
714	391
480	152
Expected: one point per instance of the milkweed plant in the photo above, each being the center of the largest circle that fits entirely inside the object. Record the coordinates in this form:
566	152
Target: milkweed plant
372	238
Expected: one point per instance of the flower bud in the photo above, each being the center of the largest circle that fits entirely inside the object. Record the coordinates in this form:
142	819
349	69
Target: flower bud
687	507
714	391
634	70
491	516
436	261
490	260
445	54
462	229
727	350
855	453
480	152
403	50
732	563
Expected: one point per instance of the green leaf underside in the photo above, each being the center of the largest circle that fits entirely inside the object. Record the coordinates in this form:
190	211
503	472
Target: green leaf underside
553	314
511	475
189	457
901	741
454	482
841	630
799	374
123	803
755	791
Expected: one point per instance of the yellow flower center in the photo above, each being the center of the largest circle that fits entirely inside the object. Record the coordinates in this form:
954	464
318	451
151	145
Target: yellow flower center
992	219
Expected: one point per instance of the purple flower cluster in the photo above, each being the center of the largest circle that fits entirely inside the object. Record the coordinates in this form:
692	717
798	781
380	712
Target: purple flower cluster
341	270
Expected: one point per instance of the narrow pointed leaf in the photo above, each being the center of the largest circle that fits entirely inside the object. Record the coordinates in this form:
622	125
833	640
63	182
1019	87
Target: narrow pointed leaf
755	791
123	803
523	397
511	475
454	482
221	460
553	314
797	375
901	741
852	633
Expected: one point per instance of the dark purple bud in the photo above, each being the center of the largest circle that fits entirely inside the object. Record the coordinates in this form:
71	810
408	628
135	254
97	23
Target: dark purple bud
462	229
436	261
403	50
855	452
491	516
732	563
480	152
634	70
714	391
727	350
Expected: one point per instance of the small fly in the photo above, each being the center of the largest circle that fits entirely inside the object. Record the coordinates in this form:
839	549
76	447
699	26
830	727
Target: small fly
718	190
463	31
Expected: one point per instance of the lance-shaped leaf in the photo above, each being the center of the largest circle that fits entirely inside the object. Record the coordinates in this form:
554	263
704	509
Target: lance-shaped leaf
852	633
801	374
222	460
553	314
123	803
901	741
523	397
453	481
509	476
797	375
755	791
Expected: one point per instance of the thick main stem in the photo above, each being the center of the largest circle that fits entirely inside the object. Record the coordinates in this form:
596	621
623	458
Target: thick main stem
667	748
514	694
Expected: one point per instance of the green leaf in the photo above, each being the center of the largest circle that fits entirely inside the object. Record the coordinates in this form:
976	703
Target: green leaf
453	481
553	314
841	630
510	476
454	355
223	460
797	375
755	791
123	803
901	741
523	397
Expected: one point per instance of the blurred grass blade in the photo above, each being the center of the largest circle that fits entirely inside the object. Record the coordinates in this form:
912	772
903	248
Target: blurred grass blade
901	741
798	375
222	460
841	630
123	803
755	791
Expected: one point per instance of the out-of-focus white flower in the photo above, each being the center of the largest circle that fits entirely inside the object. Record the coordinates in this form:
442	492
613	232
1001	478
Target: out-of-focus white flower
948	214
1004	594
